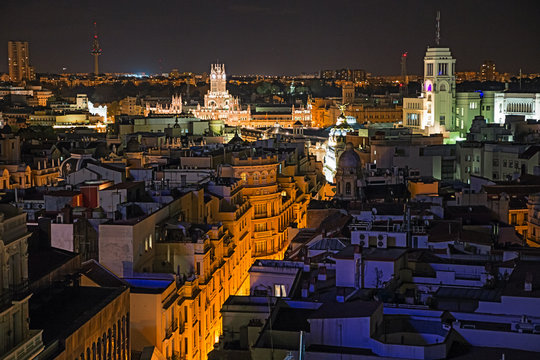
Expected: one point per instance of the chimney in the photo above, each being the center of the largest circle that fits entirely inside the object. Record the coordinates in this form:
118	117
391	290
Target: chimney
340	295
312	284
67	211
528	282
357	252
305	286
307	264
322	274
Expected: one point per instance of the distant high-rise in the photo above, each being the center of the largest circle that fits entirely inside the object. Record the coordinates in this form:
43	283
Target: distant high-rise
19	61
487	71
96	50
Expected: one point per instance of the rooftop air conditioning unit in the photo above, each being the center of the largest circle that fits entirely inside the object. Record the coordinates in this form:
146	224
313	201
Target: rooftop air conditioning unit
364	240
382	241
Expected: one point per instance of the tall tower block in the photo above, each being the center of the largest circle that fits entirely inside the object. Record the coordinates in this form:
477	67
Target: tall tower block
96	50
19	61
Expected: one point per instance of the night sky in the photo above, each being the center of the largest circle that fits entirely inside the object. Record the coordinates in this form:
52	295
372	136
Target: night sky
270	37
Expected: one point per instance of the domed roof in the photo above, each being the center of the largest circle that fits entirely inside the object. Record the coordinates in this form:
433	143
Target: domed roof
6	129
349	158
101	150
133	145
75	163
236	140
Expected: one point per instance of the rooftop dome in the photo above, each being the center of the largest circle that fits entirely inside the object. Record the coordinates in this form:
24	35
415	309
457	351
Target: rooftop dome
101	151
133	145
6	129
349	158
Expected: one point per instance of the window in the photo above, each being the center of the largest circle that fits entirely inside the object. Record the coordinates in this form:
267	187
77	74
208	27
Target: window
198	268
279	290
504	163
495	162
513	219
412	119
443	69
261	227
429	70
348	188
243	176
473	105
260	247
442	120
525	217
477	158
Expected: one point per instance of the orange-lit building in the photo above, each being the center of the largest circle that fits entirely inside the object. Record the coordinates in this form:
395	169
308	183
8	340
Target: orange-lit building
272	199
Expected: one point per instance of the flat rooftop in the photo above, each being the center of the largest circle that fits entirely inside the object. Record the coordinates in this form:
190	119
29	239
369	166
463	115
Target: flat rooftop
60	312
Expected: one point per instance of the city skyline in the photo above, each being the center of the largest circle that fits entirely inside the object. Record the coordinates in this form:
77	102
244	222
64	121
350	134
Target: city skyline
318	36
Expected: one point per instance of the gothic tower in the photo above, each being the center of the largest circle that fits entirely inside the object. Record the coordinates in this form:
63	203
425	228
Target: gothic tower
218	78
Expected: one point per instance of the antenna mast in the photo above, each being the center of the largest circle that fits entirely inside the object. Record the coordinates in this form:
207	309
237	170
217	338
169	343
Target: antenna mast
438	29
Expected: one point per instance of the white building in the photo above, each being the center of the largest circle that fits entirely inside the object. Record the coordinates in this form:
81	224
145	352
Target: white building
527	105
434	111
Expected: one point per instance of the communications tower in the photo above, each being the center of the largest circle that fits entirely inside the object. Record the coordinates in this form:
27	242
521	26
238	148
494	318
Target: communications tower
96	50
404	78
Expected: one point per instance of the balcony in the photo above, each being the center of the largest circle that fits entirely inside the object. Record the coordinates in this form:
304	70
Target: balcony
28	348
182	327
174	356
15	292
262	234
171	329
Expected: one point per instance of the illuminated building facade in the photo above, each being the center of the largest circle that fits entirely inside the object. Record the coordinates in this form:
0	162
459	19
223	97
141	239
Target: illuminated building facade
219	104
272	198
434	111
284	116
17	340
175	107
207	244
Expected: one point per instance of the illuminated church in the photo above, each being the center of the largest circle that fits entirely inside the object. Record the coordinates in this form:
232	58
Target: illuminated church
219	104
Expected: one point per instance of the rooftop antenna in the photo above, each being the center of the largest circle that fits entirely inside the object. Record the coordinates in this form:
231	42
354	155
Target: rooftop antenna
438	29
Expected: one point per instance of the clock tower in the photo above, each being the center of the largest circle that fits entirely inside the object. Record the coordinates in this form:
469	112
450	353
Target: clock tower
218	78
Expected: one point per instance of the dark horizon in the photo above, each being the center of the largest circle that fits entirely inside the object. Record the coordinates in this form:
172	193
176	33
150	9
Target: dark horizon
279	39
